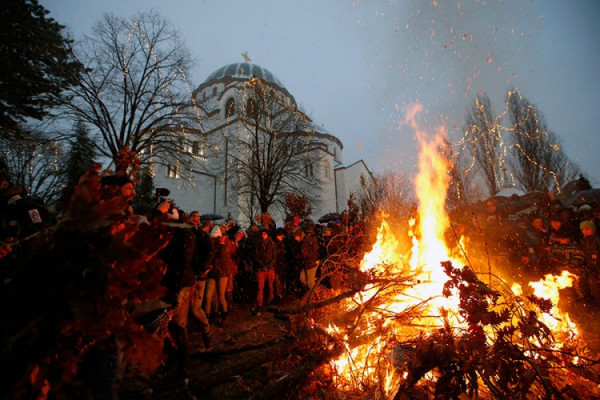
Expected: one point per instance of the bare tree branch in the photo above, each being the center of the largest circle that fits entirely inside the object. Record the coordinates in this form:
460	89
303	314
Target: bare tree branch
133	91
537	162
277	151
483	141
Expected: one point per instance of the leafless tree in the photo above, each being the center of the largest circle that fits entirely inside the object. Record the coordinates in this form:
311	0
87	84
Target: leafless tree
483	141
34	162
564	168
134	87
538	162
275	153
457	194
389	192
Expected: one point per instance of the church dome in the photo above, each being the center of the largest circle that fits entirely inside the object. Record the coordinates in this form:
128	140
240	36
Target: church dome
244	71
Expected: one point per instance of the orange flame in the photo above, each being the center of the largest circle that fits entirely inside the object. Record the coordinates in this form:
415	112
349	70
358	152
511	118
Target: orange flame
548	288
423	265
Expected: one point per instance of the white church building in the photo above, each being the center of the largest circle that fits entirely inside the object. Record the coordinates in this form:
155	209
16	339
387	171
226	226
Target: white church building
209	184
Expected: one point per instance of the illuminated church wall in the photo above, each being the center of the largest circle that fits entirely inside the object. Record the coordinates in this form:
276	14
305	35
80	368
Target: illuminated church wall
209	189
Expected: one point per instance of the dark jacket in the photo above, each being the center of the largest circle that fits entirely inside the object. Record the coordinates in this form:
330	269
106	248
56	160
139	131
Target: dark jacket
202	254
252	241
178	256
309	250
589	281
280	259
23	217
264	254
221	261
295	261
240	256
590	245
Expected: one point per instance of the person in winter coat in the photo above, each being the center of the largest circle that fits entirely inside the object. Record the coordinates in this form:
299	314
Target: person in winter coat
264	254
540	231
22	217
309	255
563	253
253	238
590	245
244	286
200	266
570	223
221	268
180	282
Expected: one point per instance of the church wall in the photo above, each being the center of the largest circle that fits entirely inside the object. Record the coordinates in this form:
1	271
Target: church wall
209	194
349	181
326	175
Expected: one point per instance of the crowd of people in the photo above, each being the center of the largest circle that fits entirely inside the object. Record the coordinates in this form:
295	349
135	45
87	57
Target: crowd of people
547	240
212	267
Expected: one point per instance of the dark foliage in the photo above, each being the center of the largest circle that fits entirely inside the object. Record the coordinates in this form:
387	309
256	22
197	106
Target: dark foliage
36	62
82	155
505	350
145	188
296	205
69	307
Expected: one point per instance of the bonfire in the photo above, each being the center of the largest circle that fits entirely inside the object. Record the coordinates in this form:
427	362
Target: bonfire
425	325
412	320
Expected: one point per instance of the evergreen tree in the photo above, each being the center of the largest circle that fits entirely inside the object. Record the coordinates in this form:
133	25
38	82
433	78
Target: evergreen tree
145	188
37	63
82	155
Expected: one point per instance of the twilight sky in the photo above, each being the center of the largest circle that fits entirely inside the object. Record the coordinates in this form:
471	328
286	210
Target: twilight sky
355	66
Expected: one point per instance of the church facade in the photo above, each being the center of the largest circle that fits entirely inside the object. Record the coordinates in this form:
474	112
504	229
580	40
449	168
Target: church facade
247	126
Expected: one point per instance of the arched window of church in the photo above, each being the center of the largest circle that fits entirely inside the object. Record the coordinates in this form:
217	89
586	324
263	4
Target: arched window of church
229	108
215	91
327	169
308	170
172	171
251	109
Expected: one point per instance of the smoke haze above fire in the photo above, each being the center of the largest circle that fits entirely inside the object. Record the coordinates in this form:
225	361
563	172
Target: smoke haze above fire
355	66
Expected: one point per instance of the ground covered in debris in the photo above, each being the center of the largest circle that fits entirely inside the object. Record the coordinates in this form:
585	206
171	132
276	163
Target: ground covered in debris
257	356
248	352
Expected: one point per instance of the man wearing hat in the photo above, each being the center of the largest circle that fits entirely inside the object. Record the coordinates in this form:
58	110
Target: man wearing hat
590	245
21	216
